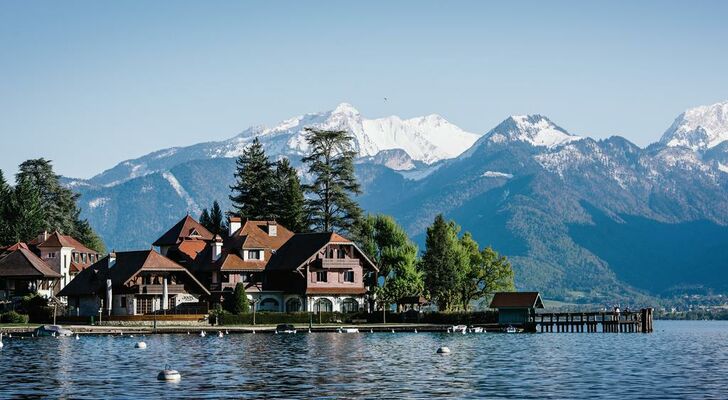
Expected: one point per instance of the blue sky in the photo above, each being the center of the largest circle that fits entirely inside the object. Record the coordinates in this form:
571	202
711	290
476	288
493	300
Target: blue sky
89	84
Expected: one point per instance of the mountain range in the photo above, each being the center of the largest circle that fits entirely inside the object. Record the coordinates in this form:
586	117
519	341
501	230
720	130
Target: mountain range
582	220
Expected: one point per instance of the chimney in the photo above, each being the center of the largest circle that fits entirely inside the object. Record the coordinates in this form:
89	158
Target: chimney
112	259
216	247
272	228
234	222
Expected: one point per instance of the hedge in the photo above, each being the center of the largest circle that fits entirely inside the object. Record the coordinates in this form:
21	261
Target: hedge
12	317
272	318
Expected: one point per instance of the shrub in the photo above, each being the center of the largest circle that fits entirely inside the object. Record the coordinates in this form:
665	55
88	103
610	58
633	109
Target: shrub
12	317
37	308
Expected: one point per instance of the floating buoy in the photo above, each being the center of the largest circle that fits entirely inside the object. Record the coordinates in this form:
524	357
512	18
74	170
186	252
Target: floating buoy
131	335
309	330
415	330
443	350
253	331
226	332
188	332
392	330
10	335
202	334
371	330
140	345
169	375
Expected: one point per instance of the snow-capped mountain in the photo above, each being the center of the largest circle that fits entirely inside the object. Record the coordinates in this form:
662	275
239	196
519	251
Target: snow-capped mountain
700	128
535	130
427	139
579	218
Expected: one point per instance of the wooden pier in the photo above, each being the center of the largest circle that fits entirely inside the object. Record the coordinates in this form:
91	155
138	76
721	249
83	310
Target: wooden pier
592	322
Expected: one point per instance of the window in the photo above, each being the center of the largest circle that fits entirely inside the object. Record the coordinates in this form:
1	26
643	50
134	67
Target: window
293	305
51	255
83	257
348	276
269	305
321	276
254	254
75	257
323	305
349	306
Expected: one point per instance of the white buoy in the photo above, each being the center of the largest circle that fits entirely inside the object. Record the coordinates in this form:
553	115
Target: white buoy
226	332
392	330
131	335
202	334
188	332
309	330
140	345
415	330
219	334
10	335
169	375
443	350
371	330
253	331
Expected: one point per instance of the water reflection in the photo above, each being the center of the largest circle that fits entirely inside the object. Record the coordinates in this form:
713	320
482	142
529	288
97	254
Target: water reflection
680	360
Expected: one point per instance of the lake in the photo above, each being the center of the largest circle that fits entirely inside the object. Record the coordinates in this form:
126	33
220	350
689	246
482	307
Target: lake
681	359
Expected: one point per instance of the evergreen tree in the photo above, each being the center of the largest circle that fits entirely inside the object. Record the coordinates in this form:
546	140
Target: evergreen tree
25	213
443	263
39	202
205	219
238	303
253	188
217	222
5	192
213	220
289	201
331	163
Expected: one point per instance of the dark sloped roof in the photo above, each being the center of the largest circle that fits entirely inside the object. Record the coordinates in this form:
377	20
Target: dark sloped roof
24	263
297	250
516	300
92	280
183	229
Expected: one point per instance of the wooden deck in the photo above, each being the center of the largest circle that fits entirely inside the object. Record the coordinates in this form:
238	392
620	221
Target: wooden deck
592	322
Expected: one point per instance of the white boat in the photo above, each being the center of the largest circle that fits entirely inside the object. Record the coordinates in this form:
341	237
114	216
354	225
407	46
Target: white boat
511	329
52	330
348	330
476	329
459	328
286	328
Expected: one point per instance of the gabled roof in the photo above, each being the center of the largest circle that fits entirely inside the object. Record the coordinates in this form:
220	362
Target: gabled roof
254	235
233	262
516	300
58	240
302	246
187	228
127	265
23	263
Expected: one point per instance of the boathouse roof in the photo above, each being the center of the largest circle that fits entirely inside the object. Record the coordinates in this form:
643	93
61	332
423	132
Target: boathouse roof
516	300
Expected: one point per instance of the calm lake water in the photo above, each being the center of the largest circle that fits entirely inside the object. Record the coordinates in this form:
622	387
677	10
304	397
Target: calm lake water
680	360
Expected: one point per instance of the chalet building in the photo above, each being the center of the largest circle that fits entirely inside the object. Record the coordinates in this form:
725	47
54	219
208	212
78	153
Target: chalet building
65	255
282	271
22	272
134	283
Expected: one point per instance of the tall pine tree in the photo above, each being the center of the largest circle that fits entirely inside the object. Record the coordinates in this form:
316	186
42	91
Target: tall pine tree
212	220
289	201
253	189
331	163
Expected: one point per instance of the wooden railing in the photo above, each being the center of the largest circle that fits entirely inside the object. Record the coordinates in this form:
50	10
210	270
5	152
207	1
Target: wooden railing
157	289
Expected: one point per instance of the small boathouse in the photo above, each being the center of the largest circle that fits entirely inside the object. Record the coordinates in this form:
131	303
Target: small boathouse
516	308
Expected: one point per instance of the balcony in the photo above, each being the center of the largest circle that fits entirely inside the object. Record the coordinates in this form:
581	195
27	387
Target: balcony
157	289
339	263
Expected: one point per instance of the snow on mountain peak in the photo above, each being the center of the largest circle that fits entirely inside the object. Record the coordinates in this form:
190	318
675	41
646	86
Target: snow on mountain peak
699	128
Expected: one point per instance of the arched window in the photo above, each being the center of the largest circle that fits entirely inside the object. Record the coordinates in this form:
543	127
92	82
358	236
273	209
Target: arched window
323	305
349	306
269	305
293	305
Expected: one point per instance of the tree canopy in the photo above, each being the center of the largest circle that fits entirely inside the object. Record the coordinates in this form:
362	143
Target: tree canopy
252	192
289	201
39	202
213	219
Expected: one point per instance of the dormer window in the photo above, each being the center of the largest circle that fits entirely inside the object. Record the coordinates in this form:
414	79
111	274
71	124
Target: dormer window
255	254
